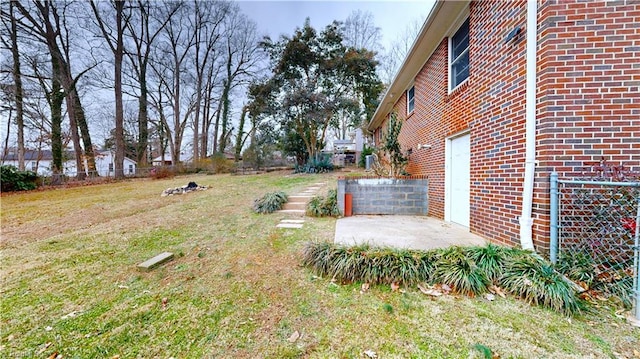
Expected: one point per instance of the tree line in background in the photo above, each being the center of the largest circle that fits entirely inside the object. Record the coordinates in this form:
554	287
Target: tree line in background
164	76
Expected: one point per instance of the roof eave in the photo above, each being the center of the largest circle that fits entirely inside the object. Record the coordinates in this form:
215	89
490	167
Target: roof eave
435	28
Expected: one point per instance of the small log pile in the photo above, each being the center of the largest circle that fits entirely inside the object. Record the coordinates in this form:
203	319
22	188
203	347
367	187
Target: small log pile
191	187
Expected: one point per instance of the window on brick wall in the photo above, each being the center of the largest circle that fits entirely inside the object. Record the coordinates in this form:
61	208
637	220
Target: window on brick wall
411	96
459	56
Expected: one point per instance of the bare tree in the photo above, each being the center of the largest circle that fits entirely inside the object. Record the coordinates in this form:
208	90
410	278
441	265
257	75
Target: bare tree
242	59
46	22
391	61
147	22
209	17
116	44
361	32
171	72
17	79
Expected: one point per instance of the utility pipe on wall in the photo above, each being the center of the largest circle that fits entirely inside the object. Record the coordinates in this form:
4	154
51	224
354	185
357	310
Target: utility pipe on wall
526	221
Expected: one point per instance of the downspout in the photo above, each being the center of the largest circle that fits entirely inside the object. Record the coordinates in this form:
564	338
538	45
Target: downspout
526	221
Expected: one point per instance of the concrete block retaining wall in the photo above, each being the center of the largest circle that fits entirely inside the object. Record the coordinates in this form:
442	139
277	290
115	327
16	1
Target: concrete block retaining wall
400	196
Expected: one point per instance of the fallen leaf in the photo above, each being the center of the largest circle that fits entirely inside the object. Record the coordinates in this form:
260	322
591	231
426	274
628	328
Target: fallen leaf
70	315
497	290
115	357
295	336
445	288
365	287
123	287
48	328
44	347
429	291
395	286
53	355
164	303
490	297
370	354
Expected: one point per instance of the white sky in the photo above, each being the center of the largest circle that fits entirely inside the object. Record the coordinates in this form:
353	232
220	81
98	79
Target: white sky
275	18
282	17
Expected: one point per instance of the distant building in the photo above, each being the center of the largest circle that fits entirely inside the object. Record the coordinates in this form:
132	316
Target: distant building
41	162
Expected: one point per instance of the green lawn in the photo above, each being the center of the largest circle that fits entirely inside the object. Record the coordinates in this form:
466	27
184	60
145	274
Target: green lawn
236	288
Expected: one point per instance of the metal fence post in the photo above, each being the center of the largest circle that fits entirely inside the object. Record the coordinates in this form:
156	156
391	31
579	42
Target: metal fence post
553	214
636	263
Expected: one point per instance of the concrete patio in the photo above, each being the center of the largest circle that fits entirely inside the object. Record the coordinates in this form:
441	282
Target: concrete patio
413	232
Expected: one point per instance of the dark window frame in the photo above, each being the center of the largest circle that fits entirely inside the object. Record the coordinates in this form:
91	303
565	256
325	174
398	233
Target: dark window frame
459	64
411	99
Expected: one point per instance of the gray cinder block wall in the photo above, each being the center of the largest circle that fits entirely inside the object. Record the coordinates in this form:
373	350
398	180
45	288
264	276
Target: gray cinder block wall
400	196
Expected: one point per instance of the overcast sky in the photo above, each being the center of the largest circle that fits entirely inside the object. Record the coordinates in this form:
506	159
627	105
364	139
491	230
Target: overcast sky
282	17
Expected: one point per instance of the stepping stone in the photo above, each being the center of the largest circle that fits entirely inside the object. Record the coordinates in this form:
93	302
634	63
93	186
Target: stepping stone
297	211
292	221
155	261
299	198
295	205
289	225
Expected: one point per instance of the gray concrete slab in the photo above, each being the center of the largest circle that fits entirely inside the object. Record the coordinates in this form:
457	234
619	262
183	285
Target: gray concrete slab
161	258
413	232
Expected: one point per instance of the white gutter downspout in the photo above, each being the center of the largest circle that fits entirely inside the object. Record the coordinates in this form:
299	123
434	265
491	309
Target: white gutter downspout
526	222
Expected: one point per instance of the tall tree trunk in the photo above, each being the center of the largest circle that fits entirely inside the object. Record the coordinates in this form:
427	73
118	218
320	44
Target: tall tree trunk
239	141
5	150
75	137
118	55
81	121
18	95
216	126
222	144
56	97
143	118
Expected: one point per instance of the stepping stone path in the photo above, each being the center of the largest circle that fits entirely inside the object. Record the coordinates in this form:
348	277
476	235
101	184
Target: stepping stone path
296	206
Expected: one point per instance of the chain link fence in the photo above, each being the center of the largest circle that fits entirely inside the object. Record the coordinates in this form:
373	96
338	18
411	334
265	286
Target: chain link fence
595	234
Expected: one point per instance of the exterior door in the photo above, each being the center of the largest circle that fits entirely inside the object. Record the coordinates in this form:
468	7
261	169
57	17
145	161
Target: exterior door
459	179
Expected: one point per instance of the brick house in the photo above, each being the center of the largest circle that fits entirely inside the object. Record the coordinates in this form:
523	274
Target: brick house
488	115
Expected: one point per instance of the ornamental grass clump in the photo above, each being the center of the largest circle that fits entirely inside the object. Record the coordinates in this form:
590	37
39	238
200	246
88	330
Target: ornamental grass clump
534	280
456	268
320	206
270	202
467	270
368	264
489	259
579	267
320	257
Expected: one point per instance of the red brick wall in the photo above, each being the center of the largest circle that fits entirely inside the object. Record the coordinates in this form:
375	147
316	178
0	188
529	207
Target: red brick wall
589	92
588	106
488	107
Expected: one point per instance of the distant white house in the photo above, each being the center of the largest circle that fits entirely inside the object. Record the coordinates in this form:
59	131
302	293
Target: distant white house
105	164
168	159
40	161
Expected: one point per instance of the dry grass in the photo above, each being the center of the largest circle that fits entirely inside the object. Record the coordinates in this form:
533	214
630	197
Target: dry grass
236	288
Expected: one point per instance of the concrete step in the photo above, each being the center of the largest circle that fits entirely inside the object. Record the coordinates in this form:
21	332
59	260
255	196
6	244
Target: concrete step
298	212
289	225
292	221
295	205
300	198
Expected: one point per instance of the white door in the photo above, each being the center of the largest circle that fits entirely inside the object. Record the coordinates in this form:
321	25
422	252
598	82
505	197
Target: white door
459	179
